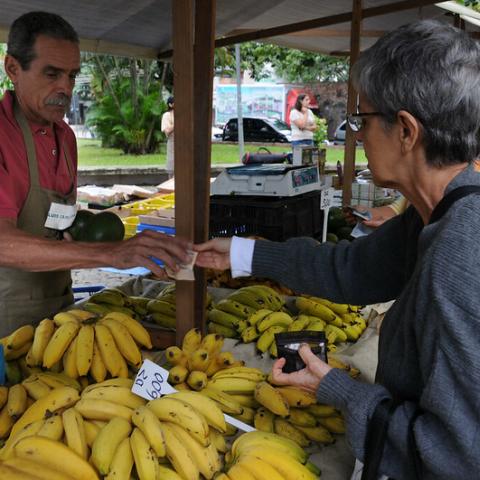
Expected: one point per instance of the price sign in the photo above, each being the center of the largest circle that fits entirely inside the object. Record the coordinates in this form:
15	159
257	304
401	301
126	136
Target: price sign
151	381
326	198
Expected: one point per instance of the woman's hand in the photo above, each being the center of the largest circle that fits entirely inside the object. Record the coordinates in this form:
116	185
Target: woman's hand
214	254
308	378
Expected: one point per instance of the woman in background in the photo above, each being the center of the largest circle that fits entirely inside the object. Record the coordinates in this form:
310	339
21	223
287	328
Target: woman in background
167	129
302	122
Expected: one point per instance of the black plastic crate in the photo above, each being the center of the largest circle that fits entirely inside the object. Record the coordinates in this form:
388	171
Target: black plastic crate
274	218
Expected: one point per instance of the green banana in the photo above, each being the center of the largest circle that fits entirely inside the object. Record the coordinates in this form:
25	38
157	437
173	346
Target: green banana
223	318
248	297
299	323
213	327
163	320
109	296
273	300
249	334
258	315
274	319
310	307
235	308
159	306
97	308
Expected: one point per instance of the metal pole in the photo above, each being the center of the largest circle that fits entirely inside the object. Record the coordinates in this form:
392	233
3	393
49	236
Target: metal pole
241	146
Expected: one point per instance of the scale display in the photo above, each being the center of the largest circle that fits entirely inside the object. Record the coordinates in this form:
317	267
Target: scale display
304	176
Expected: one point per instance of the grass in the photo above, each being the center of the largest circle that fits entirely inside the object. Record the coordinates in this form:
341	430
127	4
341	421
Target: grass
91	154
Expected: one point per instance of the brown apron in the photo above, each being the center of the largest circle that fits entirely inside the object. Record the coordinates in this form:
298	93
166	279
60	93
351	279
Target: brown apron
28	297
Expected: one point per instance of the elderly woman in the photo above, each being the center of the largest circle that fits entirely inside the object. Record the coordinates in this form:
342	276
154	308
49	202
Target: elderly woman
419	120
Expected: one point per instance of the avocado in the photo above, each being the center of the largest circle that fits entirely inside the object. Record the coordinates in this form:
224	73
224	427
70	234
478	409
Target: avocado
331	237
104	227
78	225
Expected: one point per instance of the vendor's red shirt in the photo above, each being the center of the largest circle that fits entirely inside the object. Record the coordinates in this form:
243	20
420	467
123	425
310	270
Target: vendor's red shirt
52	166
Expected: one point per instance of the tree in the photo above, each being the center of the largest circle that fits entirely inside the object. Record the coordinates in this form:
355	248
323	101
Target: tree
128	103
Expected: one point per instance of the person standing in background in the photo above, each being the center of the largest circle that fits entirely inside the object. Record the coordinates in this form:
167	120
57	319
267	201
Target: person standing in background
167	129
302	122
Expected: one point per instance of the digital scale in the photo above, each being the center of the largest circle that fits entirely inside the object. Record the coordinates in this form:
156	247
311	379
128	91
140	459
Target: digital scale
275	179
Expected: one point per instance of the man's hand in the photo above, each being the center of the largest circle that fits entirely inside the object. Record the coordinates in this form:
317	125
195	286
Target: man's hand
139	250
214	254
308	378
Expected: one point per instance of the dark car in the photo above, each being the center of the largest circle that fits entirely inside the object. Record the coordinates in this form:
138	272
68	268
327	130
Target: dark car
257	130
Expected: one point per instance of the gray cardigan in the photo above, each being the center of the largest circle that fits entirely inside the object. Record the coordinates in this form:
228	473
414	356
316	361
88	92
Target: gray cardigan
429	348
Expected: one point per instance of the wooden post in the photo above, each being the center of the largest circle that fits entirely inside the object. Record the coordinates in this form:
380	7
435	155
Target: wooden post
349	162
183	81
203	90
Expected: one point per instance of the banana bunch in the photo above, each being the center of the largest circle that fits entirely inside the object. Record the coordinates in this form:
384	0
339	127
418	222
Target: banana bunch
263	455
80	343
198	359
340	322
230	317
18	343
115	300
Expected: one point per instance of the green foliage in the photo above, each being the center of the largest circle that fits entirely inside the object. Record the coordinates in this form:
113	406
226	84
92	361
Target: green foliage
475	4
321	133
290	64
127	103
5	82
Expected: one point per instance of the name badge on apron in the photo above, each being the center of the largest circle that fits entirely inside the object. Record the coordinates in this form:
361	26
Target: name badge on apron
60	216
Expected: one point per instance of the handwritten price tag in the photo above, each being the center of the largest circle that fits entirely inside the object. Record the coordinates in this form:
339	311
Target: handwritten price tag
326	198
151	381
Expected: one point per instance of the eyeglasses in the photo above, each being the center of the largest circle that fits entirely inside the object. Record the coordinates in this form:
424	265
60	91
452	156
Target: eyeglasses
356	121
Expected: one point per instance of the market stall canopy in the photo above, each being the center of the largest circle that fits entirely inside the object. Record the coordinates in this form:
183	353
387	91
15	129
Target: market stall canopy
143	28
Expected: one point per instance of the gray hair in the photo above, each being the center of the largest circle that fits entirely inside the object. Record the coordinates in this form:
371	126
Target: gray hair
26	28
432	70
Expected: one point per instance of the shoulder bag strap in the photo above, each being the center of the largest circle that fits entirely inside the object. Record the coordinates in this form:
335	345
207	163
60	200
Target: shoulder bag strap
450	198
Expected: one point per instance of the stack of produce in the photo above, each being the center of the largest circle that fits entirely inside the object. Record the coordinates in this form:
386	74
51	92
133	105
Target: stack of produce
229	317
266	456
162	310
197	360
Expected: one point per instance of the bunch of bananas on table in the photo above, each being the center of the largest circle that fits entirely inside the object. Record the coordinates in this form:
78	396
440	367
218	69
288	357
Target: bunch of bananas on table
229	317
80	343
109	432
266	456
162	310
197	359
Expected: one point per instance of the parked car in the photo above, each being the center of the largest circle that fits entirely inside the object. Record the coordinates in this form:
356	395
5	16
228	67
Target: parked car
217	133
340	132
257	130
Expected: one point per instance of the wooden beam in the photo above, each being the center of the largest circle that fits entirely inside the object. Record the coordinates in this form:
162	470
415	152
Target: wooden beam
322	22
328	32
203	98
350	141
183	76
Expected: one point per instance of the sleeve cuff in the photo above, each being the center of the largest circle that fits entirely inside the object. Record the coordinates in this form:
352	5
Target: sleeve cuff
241	256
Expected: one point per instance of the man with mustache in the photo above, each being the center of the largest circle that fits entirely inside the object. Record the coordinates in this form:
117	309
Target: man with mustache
38	177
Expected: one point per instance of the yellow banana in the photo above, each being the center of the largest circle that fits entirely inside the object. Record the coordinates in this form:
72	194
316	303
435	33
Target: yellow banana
247	416
81	315
3	395
206	406
124	341
246	401
242	325
111	382
136	329
263	420
17	401
259	315
273	350
242	372
55	400
6	423
276	318
27	431
94	409
178	454
353	332
280	445
197	452
144	418
334	424
288	430
75	432
84	354
98	369
218	441
249	334
226	359
199	360
166	473
176	356
55	455
108	350
20	337
317	434
260	469
43	334
310	307
122	462
120	395
268	337
223	400
59	343
36	388
197	380
52	428
56	380
332	330
143	455
91	432
235	308
272	399
339	308
296	397
212	343
12	354
64	317
299	323
301	417
238	472
178	374
191	341
222	318
69	360
177	411
108	439
233	385
319	410
26	468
